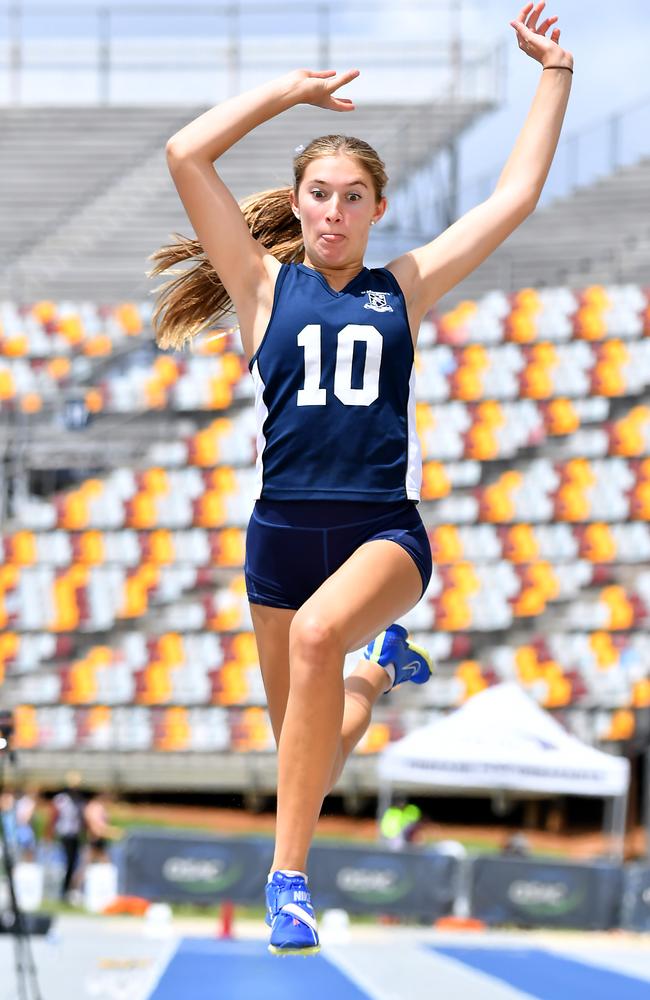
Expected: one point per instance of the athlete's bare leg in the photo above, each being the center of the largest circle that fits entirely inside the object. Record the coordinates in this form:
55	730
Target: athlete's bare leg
376	585
362	687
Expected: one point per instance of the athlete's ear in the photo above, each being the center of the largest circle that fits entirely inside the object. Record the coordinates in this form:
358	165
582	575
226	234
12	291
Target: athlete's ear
294	205
382	205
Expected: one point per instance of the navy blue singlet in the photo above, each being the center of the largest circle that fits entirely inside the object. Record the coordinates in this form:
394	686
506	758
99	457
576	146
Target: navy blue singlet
335	391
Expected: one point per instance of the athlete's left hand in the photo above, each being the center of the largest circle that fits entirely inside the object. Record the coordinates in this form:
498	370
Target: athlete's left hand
532	40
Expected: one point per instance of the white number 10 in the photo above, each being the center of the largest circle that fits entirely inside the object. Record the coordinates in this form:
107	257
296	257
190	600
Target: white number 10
310	339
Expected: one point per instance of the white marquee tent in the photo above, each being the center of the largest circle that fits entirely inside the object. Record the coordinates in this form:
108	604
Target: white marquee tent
502	741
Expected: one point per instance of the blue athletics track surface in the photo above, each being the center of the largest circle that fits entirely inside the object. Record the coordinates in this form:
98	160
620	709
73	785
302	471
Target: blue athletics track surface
204	969
121	959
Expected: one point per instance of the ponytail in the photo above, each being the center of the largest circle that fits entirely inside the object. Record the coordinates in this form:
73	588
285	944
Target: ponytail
196	298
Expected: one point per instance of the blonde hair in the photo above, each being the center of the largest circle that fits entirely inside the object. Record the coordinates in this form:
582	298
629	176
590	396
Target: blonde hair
196	298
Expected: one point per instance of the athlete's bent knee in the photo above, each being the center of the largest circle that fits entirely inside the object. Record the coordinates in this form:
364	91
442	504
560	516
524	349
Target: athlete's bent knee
313	641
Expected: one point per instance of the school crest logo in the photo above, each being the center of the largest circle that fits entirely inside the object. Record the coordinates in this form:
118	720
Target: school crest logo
377	301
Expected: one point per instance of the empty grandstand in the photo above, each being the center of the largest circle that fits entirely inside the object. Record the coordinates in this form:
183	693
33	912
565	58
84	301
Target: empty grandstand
126	644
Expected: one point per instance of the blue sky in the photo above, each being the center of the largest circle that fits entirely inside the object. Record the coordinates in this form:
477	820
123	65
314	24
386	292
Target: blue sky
610	44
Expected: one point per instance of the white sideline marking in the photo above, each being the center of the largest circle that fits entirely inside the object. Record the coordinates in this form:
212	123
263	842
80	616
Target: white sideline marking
413	971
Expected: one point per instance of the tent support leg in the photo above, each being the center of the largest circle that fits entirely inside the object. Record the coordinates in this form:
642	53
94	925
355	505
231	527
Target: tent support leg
618	812
384	799
646	804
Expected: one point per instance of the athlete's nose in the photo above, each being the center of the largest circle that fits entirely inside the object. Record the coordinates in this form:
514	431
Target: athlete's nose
333	209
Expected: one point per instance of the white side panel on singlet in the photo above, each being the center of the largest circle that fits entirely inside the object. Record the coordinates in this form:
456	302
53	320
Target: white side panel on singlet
261	413
414	463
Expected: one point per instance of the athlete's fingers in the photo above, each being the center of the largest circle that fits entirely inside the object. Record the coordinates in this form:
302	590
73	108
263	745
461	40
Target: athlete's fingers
523	13
342	79
545	25
321	73
532	20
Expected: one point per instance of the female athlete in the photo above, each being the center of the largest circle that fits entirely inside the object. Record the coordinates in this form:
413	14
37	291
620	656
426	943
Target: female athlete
336	549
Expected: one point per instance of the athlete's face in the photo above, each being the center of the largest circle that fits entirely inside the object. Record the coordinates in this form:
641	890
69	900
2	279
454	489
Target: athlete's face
336	205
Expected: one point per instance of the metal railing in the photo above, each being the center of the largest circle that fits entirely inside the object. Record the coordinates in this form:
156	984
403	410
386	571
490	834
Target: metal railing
595	150
106	53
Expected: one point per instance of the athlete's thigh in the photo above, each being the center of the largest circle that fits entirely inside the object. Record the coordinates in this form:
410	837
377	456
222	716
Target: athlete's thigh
378	583
272	636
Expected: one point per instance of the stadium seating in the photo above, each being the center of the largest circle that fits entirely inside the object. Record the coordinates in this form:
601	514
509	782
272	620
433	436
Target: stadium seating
124	619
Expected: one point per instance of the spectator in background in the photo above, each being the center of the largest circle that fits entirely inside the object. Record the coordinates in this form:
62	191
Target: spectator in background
516	845
98	829
8	818
67	826
25	833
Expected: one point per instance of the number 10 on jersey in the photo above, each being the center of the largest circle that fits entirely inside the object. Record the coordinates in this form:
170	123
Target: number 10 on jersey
312	394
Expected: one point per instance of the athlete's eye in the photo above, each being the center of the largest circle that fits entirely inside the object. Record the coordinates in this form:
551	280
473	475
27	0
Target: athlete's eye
317	193
354	196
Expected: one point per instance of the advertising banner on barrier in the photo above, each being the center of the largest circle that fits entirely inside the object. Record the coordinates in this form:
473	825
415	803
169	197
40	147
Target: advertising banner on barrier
636	898
366	880
531	893
180	868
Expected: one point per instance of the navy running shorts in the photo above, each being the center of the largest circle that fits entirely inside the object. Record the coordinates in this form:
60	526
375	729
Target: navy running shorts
293	546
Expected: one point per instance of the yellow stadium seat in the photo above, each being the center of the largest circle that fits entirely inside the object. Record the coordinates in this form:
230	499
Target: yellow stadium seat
210	509
520	543
171	648
604	650
219	393
435	481
376	737
7	384
144	512
446	544
91	548
622	725
58	368
16	347
26	722
598	543
641	693
561	417
128	316
25	548
621	611
71	329
99	346
531	601
161	547
94	400
31	402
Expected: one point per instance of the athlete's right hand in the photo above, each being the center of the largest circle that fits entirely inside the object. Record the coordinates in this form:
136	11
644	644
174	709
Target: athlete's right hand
317	88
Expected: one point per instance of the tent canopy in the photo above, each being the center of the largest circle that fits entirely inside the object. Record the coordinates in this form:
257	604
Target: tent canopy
502	740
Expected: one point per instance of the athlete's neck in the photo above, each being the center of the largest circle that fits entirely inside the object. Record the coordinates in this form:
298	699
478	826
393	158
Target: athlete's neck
336	277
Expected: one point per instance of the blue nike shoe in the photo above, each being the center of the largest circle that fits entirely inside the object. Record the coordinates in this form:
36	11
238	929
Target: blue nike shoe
411	662
290	916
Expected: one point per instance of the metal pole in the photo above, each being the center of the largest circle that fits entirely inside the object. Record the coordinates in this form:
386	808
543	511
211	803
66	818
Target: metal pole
456	50
453	151
614	141
385	794
104	54
234	50
646	803
324	38
618	815
15	52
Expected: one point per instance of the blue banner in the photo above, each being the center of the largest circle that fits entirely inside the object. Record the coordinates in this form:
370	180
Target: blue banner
531	893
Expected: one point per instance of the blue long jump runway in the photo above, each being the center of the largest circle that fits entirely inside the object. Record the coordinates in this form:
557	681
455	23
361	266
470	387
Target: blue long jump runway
221	970
209	969
548	976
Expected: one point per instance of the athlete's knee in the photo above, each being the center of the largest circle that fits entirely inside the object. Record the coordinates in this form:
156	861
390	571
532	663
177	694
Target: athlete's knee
313	641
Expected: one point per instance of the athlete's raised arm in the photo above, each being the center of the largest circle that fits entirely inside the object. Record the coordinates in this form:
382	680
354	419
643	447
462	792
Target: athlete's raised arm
245	268
428	272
